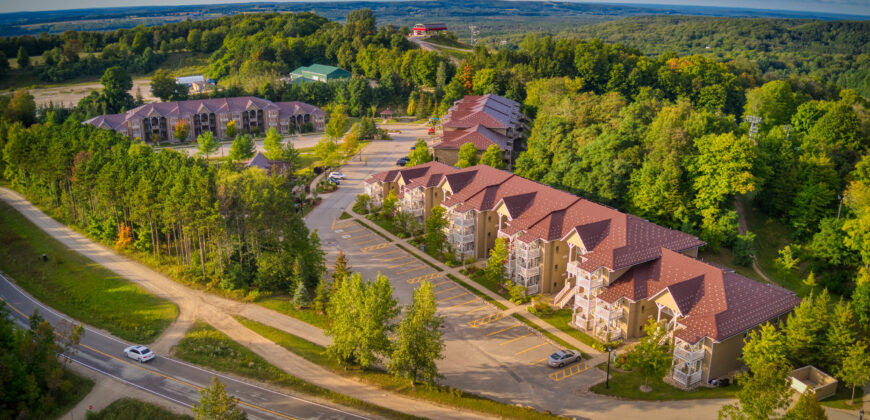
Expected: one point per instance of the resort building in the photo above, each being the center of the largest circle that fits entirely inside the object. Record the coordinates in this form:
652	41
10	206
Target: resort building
428	29
156	121
483	121
318	73
614	270
196	84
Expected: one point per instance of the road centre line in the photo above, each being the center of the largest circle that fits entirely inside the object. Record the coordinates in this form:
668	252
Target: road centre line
516	339
530	348
503	330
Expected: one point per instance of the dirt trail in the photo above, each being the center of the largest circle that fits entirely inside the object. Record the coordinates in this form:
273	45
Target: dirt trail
742	229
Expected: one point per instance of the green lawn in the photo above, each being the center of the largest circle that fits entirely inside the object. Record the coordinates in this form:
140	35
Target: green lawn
627	385
130	409
561	320
842	397
423	260
345	215
284	304
439	395
206	346
478	277
367	226
76	286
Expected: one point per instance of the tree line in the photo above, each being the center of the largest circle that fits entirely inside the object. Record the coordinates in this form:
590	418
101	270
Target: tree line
233	229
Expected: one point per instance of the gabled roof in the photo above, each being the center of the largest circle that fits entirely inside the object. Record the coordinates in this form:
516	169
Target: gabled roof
261	161
322	69
714	302
491	111
478	135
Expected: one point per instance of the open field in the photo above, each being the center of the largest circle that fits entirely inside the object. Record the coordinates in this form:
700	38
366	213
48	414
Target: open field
75	285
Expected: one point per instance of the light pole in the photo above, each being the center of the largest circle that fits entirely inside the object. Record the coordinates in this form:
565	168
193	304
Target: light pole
607	380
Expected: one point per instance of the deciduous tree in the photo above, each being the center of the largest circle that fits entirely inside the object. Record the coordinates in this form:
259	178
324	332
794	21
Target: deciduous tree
652	355
215	404
855	370
207	143
493	157
435	224
420	154
467	155
181	130
418	344
242	148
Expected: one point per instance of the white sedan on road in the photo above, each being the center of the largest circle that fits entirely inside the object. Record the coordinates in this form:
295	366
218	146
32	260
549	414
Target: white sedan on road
336	175
139	353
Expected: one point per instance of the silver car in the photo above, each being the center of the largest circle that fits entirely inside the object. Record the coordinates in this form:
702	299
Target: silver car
563	357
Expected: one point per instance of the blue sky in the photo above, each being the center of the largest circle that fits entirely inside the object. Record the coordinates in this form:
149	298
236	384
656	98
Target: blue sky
858	7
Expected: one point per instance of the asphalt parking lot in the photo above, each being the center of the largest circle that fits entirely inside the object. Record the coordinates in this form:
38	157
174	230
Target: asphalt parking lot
488	351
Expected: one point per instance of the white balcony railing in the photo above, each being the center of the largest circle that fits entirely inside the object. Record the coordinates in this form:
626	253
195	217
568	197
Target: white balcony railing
565	292
607	314
590	284
463	237
687	379
580	320
581	302
528	253
463	221
528	271
687	355
574	269
608	335
532	289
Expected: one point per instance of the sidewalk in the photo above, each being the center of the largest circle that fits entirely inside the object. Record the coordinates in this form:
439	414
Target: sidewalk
512	308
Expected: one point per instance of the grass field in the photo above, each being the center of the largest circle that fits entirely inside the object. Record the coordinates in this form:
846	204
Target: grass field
206	346
842	397
75	285
439	395
130	409
627	385
561	319
284	305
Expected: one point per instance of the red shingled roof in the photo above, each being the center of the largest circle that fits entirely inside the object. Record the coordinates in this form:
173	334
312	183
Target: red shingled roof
491	111
478	135
713	302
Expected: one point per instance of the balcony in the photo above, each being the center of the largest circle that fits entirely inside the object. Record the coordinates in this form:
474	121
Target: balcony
463	237
574	269
606	335
463	221
528	253
687	355
590	284
687	379
581	302
607	314
580	321
527	272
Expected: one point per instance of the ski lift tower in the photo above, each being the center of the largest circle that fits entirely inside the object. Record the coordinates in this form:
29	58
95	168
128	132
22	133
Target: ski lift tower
753	125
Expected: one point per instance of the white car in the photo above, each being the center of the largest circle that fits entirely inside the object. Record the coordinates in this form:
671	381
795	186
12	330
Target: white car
139	353
336	175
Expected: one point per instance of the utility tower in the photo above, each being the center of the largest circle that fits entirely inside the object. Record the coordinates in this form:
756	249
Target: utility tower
753	126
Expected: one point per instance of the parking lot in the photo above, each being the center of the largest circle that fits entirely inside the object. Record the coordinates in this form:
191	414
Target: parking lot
488	351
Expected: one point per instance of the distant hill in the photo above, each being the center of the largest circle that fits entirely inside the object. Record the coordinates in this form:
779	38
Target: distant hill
492	17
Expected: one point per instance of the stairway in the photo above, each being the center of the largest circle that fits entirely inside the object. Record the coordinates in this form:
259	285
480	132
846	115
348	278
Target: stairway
564	296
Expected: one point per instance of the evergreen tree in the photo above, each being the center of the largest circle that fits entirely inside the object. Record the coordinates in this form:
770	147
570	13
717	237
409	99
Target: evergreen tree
805	332
215	404
207	143
807	408
341	269
321	297
301	296
23	58
242	148
418	343
493	157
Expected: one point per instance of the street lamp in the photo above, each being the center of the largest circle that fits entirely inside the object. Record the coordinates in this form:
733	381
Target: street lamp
607	380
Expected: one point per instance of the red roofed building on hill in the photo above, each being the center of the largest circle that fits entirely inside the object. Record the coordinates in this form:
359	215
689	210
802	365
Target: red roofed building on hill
614	270
482	121
426	29
155	121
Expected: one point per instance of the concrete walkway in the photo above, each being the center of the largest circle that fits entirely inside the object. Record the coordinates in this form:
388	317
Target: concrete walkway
219	312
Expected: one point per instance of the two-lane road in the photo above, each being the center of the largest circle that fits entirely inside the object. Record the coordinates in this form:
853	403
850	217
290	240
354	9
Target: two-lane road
163	376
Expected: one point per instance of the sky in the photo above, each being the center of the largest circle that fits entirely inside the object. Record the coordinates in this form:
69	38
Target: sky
856	7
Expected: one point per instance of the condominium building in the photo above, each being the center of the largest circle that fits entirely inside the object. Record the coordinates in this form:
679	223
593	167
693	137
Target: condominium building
614	270
482	121
156	121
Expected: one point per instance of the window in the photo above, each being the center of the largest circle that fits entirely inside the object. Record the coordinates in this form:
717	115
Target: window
488	234
557	248
488	218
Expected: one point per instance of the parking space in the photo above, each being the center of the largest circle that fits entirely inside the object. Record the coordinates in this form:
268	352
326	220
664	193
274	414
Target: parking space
468	317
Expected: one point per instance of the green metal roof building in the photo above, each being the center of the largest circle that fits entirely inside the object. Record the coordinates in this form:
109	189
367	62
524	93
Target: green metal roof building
318	73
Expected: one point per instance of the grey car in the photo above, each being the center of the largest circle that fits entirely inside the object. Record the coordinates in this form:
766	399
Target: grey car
563	357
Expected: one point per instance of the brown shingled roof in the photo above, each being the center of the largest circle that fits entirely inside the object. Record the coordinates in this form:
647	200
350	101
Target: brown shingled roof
713	302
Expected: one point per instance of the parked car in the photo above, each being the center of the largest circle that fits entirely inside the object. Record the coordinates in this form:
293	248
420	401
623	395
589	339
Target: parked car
413	147
403	161
139	353
563	357
333	180
336	175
